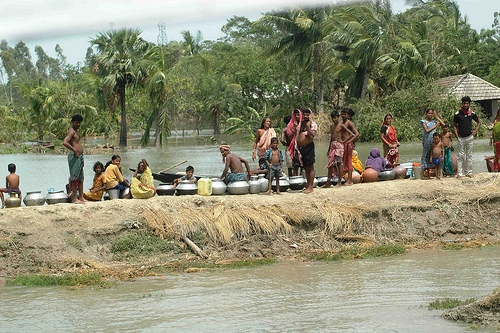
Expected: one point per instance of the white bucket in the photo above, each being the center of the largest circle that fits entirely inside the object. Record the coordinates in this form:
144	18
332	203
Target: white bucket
113	194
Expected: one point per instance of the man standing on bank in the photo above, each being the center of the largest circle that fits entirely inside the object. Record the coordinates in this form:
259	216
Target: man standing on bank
75	158
462	127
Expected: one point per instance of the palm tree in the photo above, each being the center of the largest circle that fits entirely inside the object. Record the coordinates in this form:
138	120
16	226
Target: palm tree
118	54
156	65
192	43
358	28
303	38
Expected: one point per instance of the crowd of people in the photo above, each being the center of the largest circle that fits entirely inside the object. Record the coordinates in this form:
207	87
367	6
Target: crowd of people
298	139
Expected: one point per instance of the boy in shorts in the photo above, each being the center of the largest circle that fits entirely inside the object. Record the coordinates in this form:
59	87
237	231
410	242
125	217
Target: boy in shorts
274	161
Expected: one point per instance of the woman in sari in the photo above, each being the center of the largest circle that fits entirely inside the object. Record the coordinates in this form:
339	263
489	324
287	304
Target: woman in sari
389	141
142	187
293	132
428	126
263	138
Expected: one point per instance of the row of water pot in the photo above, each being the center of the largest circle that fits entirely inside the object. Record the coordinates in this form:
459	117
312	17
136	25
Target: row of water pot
255	185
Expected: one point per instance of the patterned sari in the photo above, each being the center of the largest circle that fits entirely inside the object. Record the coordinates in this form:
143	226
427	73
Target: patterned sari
427	142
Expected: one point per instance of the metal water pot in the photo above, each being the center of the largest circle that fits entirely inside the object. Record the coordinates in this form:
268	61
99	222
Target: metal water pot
165	189
254	184
124	192
238	187
186	188
322	180
56	197
218	186
284	184
13	201
264	183
387	174
34	199
296	183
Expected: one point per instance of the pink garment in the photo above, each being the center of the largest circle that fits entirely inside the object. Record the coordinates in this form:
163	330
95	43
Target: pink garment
265	142
336	150
293	149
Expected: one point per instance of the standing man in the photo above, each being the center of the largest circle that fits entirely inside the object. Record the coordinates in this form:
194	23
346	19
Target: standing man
75	158
307	131
462	127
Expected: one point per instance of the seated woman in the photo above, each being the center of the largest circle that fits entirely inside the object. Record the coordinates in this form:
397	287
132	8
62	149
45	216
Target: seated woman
97	190
375	161
142	187
356	163
113	174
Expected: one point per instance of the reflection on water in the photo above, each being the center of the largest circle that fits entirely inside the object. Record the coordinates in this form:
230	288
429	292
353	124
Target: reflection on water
372	295
41	172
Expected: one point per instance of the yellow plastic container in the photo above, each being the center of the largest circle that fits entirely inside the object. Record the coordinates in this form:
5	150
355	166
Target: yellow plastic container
205	186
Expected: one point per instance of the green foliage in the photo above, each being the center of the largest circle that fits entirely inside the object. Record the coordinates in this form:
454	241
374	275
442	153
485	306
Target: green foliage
448	303
138	243
360	253
75	280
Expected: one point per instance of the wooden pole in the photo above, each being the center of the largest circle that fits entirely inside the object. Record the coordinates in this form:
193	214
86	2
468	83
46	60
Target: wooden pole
173	166
194	247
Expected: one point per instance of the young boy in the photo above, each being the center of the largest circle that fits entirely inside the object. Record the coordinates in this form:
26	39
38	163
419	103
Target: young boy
75	157
437	154
349	143
274	161
339	135
189	177
447	140
11	184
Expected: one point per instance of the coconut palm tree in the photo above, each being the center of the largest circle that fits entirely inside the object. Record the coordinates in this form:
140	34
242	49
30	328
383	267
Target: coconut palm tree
303	38
117	58
156	64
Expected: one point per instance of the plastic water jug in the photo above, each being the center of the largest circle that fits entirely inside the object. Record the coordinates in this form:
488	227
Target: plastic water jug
205	186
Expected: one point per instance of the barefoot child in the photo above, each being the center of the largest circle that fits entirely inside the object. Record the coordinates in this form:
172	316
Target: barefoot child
274	161
339	134
75	157
97	190
447	140
189	177
349	143
11	183
437	154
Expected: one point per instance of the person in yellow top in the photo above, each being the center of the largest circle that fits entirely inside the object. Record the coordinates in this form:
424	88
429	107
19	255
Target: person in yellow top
142	187
97	190
356	163
113	174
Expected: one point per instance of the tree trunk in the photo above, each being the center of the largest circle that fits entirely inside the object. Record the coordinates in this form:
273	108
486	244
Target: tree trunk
365	84
301	85
123	122
40	132
216	113
316	60
157	130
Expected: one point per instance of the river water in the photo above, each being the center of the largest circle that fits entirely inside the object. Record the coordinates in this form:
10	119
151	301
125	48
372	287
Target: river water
372	295
41	172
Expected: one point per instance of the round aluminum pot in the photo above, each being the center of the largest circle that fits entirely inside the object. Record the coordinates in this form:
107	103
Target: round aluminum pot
284	184
322	180
34	199
218	186
113	193
400	172
296	183
315	182
165	189
254	185
387	174
264	183
105	196
13	201
56	197
186	188
238	187
335	181
124	192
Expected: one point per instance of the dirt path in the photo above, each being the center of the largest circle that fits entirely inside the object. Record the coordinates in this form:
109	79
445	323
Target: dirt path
53	239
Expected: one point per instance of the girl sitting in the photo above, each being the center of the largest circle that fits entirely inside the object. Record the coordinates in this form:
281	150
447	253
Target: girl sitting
113	174
97	190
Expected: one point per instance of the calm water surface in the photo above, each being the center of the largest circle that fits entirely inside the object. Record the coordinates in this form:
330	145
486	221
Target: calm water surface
372	295
41	172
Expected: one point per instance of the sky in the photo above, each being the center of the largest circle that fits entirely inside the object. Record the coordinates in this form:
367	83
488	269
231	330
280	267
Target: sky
71	23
